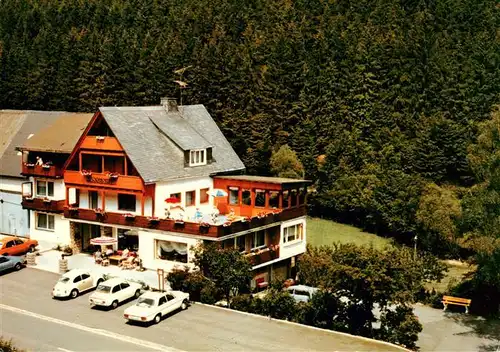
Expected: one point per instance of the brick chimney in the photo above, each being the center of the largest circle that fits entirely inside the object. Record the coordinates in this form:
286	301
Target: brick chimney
170	104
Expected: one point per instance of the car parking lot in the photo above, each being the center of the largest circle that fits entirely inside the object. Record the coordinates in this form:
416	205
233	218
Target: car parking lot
197	328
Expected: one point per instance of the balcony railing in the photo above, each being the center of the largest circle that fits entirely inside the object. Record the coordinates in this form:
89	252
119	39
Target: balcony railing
186	227
41	204
101	143
101	180
52	171
263	256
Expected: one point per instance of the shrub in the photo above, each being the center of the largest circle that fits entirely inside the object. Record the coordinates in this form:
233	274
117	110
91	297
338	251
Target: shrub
243	303
209	294
279	305
7	346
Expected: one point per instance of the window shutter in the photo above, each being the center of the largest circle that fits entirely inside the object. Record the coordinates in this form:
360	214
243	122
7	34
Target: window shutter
209	155
186	158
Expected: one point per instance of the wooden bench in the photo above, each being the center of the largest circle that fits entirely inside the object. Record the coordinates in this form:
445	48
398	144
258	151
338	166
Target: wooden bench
456	301
116	258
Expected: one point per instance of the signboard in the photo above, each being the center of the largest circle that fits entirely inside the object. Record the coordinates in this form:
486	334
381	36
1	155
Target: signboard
27	189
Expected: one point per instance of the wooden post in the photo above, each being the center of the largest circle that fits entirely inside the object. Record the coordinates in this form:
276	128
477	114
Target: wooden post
142	204
102	163
267	195
103	200
280	200
67	196
126	165
80	161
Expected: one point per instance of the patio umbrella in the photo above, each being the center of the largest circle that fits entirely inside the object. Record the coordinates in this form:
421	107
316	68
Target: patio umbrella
217	193
103	241
172	200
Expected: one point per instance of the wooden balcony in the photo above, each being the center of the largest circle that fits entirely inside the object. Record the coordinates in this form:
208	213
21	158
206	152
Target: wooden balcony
263	256
50	171
110	144
192	228
41	204
103	181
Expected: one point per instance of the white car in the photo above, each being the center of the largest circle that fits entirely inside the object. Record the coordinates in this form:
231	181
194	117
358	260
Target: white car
112	292
76	281
152	306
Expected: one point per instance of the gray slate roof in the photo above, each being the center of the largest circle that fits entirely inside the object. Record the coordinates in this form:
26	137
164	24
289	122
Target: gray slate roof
155	141
22	125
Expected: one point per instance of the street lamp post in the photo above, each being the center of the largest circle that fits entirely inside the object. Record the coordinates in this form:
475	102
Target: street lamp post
415	247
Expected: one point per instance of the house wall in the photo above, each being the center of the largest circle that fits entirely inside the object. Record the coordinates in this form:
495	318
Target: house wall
59	189
163	191
148	250
60	234
296	247
14	220
111	203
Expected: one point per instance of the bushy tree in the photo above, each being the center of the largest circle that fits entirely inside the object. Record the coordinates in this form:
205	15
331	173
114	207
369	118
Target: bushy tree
285	163
228	269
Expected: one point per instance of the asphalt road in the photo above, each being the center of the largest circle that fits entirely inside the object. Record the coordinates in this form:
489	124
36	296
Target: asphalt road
35	321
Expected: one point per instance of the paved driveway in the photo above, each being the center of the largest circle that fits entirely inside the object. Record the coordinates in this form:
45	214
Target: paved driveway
200	328
456	331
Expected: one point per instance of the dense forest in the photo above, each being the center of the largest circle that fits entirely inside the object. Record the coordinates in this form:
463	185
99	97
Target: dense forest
382	100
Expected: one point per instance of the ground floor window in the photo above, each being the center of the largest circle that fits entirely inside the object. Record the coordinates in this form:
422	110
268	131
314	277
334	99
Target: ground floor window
292	233
171	251
45	221
128	239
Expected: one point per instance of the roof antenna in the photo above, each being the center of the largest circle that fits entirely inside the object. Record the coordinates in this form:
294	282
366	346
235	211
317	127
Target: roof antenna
180	82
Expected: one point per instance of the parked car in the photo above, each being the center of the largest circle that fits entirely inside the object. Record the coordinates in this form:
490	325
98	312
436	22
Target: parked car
11	263
76	281
16	246
152	306
301	293
112	292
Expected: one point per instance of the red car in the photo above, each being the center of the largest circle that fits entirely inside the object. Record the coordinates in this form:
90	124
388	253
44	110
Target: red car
16	246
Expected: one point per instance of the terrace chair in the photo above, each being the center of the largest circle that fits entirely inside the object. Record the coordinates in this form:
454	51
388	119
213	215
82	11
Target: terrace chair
128	263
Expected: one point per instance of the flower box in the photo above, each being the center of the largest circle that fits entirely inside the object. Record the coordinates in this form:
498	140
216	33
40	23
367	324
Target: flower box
29	199
153	220
129	216
87	173
205	224
179	222
113	176
30	165
73	210
227	224
46	200
100	138
246	219
46	166
99	212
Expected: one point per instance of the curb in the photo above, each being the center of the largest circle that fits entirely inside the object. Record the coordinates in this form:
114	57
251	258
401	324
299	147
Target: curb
333	332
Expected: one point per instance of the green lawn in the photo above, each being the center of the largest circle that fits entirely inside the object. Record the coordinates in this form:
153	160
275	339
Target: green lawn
325	232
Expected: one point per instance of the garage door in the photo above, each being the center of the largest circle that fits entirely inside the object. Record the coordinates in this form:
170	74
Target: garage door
13	218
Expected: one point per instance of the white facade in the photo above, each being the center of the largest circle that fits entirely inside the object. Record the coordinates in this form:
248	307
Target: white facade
295	247
59	189
148	250
165	190
11	184
111	203
59	235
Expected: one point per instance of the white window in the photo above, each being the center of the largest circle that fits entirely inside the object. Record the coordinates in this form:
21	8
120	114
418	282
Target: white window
259	239
172	251
197	157
45	221
292	233
239	243
45	188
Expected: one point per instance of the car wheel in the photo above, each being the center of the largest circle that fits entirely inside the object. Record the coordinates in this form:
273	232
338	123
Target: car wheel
137	294
99	282
114	304
17	266
32	249
74	293
157	319
6	254
184	304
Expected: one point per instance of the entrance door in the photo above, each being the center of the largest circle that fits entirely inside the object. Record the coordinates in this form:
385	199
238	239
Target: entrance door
93	200
88	232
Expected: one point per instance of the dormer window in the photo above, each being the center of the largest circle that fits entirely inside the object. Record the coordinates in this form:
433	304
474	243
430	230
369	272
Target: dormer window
197	157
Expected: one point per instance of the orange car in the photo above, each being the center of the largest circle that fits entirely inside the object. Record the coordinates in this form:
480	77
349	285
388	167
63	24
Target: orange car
16	246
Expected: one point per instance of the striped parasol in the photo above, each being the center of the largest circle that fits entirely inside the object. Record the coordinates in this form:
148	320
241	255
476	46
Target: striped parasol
103	241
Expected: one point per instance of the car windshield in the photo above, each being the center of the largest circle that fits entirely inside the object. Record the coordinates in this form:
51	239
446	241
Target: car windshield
64	279
103	289
145	302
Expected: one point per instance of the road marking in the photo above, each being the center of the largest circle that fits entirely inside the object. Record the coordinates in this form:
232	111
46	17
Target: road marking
63	349
105	333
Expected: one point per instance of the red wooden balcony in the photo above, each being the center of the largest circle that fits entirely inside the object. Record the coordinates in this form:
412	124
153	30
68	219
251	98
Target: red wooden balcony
110	144
50	171
185	227
42	204
105	181
263	256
